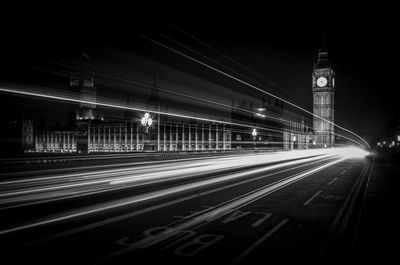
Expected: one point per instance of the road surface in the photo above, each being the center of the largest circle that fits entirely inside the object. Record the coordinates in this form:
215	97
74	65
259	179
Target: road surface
303	207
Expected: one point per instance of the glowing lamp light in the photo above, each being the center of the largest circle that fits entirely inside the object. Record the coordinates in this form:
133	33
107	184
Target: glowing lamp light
254	132
146	120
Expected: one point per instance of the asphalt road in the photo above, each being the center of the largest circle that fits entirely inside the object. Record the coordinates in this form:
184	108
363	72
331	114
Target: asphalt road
307	208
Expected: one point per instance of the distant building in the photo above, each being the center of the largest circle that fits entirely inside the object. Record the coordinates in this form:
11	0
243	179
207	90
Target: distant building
323	86
27	134
84	81
268	115
277	128
55	141
297	135
93	134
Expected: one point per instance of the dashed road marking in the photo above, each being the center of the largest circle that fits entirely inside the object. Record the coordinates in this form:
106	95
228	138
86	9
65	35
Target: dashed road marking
266	216
250	249
312	198
192	213
344	171
333	180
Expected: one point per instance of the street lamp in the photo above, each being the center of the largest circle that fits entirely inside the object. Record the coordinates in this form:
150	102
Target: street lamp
146	121
254	133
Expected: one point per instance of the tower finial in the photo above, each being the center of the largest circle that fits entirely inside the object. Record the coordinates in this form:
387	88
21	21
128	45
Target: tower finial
324	46
323	60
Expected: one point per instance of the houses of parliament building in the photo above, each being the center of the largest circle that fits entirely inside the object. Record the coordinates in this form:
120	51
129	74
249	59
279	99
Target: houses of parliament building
93	134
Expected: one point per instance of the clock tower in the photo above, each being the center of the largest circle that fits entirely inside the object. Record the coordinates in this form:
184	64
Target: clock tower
323	87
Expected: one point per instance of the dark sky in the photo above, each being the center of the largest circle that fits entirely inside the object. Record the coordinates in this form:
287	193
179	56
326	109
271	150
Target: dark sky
279	43
283	46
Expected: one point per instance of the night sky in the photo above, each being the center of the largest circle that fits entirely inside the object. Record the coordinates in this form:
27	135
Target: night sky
279	43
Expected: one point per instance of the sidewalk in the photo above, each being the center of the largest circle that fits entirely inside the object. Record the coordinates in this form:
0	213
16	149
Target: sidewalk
376	239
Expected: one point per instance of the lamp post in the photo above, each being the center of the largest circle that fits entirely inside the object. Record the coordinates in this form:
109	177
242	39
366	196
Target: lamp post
254	134
294	142
146	121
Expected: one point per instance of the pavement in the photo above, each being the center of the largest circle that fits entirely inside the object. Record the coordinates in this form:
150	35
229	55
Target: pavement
378	229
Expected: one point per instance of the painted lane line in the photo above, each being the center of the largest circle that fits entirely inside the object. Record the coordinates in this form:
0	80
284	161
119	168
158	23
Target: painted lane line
224	209
344	171
266	216
350	209
192	214
312	198
344	206
361	210
250	249
333	180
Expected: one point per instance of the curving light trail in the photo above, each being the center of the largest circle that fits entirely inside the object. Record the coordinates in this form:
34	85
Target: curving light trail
250	85
193	173
117	106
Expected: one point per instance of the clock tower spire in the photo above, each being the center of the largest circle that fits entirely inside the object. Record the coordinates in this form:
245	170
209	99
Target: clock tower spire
323	87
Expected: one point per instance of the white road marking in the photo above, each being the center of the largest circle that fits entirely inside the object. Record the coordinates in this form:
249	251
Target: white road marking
333	180
349	210
312	198
250	249
344	206
344	171
266	216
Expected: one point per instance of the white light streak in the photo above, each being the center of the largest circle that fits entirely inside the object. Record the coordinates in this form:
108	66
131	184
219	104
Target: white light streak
315	155
252	86
116	106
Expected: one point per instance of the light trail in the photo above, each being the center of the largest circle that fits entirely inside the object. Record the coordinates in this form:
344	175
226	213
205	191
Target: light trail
250	85
222	209
82	158
165	90
197	183
22	190
223	54
306	162
115	106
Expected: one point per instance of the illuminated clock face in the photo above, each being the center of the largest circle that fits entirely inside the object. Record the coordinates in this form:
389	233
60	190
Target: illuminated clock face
321	82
